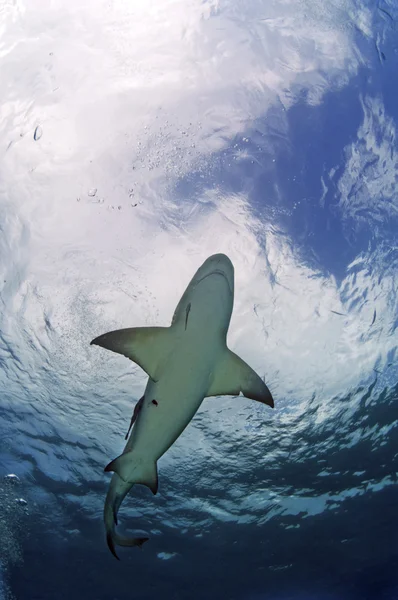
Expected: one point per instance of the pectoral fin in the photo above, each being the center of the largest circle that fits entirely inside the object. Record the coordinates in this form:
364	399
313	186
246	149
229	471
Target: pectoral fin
233	376
146	346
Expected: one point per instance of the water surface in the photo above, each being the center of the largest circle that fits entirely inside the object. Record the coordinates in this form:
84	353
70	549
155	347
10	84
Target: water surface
137	139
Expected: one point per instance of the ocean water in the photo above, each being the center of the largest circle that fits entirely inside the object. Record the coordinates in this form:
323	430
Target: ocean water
137	138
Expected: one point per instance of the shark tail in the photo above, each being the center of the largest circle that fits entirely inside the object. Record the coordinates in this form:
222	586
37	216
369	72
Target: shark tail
114	539
116	494
119	487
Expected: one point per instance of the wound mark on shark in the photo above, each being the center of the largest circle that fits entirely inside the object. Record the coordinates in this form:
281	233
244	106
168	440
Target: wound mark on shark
187	311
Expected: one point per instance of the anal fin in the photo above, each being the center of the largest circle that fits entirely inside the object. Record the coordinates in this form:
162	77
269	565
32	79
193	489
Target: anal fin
135	470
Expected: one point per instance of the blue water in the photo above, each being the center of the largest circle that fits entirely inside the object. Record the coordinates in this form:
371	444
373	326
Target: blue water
136	140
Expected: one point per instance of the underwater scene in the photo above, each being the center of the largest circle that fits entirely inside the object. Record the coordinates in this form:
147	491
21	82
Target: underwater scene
198	299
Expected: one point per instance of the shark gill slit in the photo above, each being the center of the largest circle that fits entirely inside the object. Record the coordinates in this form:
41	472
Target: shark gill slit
187	311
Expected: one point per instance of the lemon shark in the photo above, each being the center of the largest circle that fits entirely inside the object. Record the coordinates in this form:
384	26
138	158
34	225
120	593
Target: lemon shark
185	363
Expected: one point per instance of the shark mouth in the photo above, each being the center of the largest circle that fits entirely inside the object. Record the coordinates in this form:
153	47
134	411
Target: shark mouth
216	272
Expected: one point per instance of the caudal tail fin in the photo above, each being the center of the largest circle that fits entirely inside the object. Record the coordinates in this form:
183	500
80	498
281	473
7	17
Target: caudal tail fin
115	539
120	485
116	493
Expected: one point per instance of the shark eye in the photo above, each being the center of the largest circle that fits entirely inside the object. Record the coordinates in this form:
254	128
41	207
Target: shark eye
155	402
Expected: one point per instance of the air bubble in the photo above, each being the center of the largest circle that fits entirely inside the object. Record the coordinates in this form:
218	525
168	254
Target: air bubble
12	478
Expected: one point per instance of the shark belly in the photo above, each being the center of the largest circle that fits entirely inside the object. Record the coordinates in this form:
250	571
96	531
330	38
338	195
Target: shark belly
171	402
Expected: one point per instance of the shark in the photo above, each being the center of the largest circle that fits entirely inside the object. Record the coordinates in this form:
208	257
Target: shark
185	363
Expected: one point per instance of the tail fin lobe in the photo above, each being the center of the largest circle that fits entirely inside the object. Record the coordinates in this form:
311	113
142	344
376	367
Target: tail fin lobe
116	493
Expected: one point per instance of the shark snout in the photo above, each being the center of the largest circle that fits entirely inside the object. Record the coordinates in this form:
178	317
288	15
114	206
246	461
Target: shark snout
220	259
218	264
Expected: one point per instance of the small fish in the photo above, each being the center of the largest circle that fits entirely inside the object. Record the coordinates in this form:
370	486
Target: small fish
386	13
38	133
137	409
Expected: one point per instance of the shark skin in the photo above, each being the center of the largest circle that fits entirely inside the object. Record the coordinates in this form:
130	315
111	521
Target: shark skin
185	363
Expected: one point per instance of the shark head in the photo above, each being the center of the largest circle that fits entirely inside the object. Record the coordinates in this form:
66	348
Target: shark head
209	296
217	265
